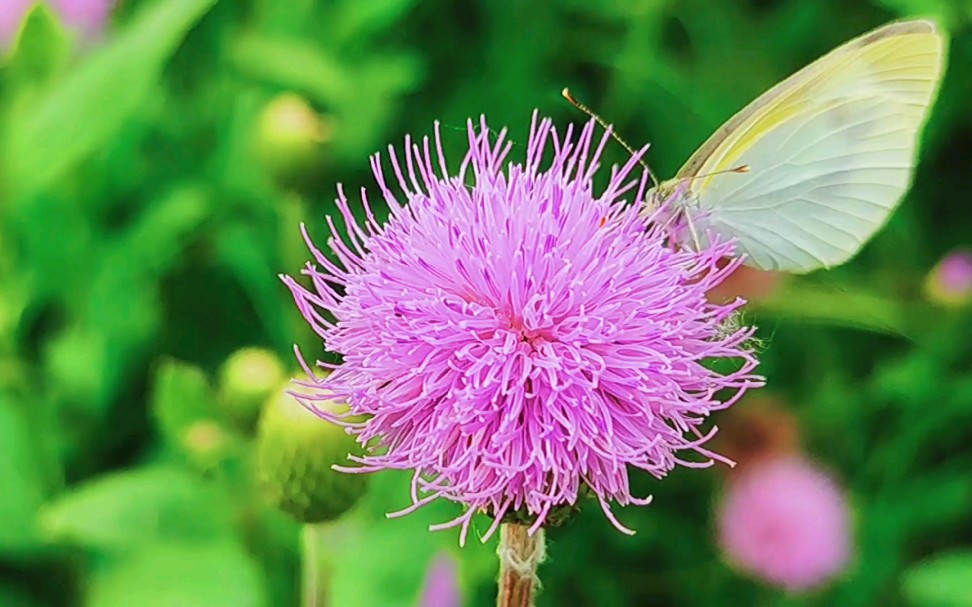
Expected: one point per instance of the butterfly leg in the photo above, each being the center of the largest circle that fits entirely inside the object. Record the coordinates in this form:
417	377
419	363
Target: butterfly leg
692	231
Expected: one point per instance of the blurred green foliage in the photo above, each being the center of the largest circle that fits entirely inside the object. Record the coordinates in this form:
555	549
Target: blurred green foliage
149	195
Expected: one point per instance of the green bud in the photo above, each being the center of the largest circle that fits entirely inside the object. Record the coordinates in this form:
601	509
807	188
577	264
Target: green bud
247	378
294	454
206	443
290	135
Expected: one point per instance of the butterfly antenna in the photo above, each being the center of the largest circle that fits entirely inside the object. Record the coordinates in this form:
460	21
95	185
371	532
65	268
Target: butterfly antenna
577	104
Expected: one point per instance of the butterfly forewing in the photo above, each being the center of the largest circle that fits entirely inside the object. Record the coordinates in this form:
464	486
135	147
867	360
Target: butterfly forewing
830	150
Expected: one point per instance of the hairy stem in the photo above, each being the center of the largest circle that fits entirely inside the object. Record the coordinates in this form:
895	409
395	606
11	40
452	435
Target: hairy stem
520	554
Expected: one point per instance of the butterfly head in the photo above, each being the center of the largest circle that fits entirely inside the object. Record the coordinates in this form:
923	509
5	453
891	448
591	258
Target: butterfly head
670	205
673	194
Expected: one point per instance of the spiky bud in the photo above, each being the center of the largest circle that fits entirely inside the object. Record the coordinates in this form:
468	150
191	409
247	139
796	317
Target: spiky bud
294	455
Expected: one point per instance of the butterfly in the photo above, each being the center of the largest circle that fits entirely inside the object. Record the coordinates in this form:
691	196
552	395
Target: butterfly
804	175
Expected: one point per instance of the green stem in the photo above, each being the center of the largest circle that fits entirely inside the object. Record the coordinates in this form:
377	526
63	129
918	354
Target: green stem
315	571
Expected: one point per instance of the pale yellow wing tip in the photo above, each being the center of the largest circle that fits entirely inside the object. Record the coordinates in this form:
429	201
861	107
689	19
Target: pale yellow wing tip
898	28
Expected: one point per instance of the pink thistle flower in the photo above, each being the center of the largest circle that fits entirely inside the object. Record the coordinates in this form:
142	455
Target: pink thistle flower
950	282
441	587
786	522
513	338
12	13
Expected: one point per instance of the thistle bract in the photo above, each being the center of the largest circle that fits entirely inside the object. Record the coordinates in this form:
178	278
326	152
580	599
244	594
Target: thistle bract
511	336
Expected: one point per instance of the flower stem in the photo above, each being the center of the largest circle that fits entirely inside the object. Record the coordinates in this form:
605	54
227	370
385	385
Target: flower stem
520	554
315	587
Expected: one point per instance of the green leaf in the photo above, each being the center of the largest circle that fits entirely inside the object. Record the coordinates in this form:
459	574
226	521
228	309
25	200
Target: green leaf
59	245
292	64
122	301
181	395
155	241
361	96
134	507
804	301
121	314
23	489
361	579
89	107
77	361
11	597
187	575
943	581
354	22
42	47
245	254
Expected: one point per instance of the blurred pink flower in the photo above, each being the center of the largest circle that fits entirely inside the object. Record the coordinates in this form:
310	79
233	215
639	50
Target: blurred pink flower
11	14
87	17
950	282
786	522
441	587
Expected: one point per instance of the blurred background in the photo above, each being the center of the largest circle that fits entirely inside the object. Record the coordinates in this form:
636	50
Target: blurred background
156	158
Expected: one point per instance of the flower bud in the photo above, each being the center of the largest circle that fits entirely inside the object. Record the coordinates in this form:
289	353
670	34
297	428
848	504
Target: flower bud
290	135
206	444
294	454
950	282
247	378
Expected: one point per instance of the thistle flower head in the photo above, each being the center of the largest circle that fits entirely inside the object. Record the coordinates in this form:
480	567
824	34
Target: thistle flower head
513	337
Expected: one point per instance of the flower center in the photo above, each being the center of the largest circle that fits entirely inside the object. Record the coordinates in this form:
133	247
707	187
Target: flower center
534	337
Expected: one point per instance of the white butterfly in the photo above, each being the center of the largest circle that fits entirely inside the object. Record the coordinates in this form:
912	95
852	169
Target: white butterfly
823	157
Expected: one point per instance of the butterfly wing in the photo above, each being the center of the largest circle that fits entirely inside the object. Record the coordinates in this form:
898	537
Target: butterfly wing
830	152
